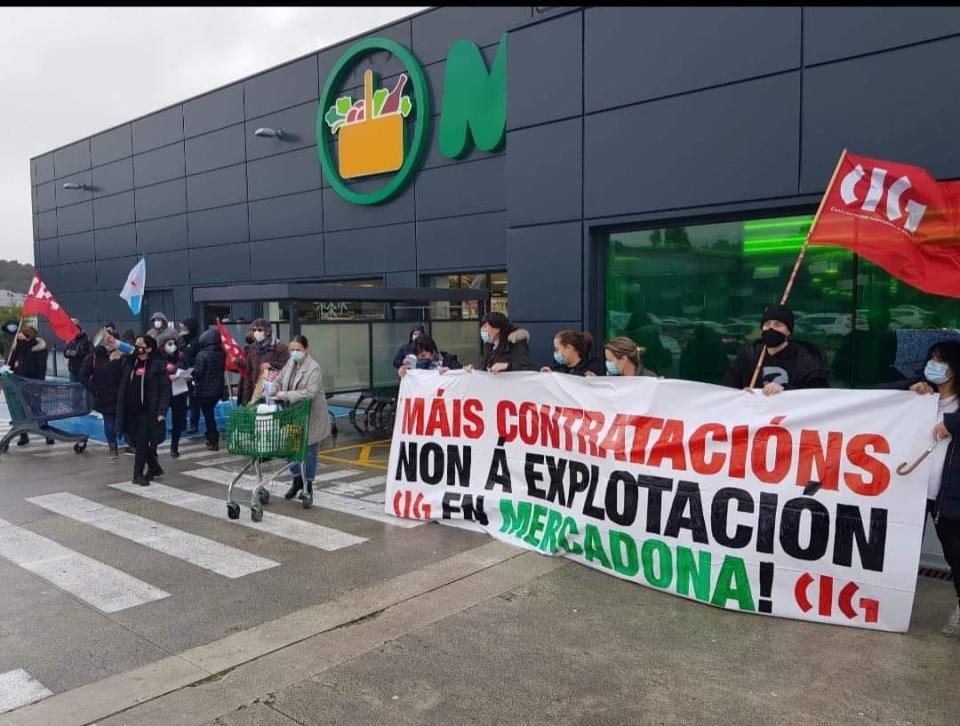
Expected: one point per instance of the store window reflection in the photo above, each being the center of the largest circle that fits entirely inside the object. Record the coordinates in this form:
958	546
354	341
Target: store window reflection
693	297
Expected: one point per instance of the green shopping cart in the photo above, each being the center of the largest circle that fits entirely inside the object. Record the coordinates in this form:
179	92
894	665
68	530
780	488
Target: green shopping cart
264	433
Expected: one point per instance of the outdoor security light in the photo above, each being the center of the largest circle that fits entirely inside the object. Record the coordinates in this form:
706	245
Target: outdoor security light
74	185
268	132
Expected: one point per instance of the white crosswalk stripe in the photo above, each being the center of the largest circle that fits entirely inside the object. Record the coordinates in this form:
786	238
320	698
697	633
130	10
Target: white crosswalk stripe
314	535
378	497
199	551
106	588
345	505
226	459
195	453
18	688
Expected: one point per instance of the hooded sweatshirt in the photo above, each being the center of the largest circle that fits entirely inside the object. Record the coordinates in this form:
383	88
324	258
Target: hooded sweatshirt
153	332
208	366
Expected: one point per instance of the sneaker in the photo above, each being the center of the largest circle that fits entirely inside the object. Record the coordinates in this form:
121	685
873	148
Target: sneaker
50	442
154	473
141	481
953	624
129	450
174	452
23	440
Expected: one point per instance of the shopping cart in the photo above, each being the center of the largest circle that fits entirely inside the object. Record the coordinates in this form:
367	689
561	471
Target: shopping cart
33	404
280	434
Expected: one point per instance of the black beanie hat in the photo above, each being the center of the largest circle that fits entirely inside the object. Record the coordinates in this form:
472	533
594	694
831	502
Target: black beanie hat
779	312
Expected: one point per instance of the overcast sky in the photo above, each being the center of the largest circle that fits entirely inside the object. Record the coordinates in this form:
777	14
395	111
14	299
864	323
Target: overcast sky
67	73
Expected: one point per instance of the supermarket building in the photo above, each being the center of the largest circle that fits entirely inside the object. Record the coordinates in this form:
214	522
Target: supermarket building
640	171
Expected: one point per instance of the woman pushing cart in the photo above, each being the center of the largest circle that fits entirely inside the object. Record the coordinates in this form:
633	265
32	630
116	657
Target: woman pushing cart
292	431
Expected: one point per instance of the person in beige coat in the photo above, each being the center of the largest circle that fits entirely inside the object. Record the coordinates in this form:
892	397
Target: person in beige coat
300	380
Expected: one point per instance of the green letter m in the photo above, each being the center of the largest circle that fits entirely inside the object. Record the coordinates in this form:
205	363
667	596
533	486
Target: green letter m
515	522
474	101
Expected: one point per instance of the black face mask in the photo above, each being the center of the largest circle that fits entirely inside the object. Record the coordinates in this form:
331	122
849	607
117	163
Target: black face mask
772	338
141	351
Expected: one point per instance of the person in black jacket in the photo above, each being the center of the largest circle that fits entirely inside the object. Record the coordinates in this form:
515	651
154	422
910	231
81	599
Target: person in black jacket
407	348
573	354
505	346
76	352
174	359
100	374
789	364
189	344
208	380
429	357
29	360
142	402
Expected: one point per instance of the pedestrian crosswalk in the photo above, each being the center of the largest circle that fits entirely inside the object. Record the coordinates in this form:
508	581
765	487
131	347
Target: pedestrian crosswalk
196	550
102	586
18	688
298	530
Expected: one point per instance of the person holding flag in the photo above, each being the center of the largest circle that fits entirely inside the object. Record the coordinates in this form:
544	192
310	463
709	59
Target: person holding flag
208	370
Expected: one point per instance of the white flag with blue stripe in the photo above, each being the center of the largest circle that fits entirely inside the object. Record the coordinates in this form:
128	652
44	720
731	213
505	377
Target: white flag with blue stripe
133	289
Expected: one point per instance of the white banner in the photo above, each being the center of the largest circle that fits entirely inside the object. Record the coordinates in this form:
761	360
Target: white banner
787	505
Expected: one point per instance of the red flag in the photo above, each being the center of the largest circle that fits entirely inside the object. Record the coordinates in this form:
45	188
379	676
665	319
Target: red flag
40	301
898	217
236	360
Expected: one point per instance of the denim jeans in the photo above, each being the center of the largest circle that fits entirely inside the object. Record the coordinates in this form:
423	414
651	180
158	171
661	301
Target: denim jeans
110	428
309	464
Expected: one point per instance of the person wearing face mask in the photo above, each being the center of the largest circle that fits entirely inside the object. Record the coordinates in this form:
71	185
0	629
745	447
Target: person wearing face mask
426	356
623	358
572	354
505	346
208	378
407	348
302	379
263	355
7	334
789	364
101	375
142	402
174	359
943	480
158	323
189	344
29	360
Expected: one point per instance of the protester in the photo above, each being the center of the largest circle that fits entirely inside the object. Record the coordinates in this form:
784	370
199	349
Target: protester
505	346
264	354
301	379
189	344
158	323
174	359
76	352
250	341
623	358
425	356
29	360
573	355
943	479
7	334
407	348
101	373
789	364
208	380
142	402
128	336
111	329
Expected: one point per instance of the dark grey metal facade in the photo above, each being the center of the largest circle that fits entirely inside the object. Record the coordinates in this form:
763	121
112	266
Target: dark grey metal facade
615	116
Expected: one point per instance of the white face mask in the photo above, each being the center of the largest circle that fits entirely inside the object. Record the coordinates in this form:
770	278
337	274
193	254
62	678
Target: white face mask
259	336
171	348
158	324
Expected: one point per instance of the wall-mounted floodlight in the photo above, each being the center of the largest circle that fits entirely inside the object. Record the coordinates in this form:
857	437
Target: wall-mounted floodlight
269	133
74	185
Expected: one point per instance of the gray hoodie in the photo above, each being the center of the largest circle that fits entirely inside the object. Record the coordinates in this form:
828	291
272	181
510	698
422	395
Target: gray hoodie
153	332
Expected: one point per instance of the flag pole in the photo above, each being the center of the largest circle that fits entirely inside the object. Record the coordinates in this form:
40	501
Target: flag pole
796	266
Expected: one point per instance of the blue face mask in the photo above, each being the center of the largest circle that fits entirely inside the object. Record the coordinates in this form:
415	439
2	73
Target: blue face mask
297	355
486	337
936	373
558	358
612	369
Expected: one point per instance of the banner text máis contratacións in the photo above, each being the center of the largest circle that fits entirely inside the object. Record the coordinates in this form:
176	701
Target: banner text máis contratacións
787	505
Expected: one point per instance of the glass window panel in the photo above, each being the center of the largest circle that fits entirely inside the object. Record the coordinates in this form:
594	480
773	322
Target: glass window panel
387	339
343	352
694	295
459	337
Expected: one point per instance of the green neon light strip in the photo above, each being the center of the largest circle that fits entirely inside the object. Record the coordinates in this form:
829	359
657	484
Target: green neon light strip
794	222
